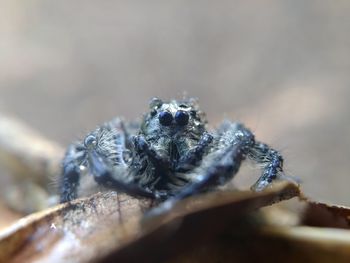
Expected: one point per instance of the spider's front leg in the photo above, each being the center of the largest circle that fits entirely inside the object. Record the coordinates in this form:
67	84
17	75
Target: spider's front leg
102	153
233	144
110	177
71	172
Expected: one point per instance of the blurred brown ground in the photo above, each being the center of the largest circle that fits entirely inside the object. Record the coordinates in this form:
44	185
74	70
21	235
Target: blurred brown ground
281	67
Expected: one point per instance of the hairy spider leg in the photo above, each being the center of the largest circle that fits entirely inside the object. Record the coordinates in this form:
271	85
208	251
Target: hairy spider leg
71	173
80	155
104	176
271	161
195	155
235	143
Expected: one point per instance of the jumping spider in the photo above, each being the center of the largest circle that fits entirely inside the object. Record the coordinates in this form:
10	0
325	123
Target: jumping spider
170	155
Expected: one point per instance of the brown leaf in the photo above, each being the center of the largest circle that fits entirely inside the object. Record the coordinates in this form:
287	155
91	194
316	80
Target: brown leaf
82	229
273	244
326	215
109	226
31	162
25	153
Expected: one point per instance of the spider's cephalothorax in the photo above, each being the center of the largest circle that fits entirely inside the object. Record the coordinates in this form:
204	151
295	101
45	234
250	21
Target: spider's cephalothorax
169	155
172	140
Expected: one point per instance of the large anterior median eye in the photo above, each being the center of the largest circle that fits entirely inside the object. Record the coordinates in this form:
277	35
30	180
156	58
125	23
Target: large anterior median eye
165	118
181	117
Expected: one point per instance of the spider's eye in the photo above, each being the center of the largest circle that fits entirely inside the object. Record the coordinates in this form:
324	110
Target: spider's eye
90	141
153	112
155	103
165	118
181	117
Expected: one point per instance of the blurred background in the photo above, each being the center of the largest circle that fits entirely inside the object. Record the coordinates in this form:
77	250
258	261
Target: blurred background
281	67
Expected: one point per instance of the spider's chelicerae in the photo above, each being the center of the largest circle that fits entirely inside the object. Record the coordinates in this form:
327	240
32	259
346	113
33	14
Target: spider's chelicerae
168	156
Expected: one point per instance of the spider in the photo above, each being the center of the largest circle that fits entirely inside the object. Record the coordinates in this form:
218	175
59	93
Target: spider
168	156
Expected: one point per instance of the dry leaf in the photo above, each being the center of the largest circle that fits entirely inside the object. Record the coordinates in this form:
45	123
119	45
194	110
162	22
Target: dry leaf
109	226
273	244
32	163
26	153
326	215
218	226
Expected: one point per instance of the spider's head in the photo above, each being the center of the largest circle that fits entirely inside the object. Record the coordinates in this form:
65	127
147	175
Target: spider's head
174	118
